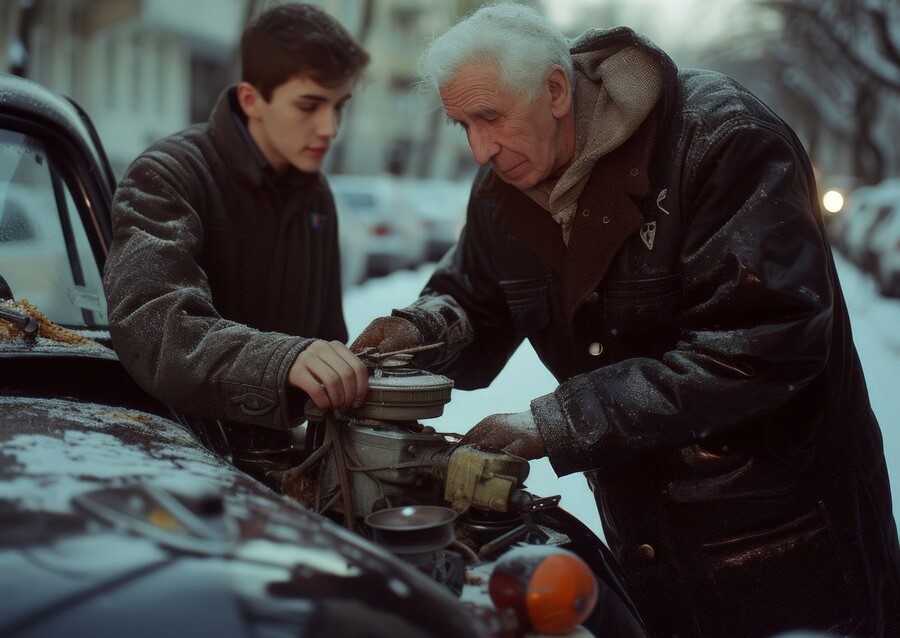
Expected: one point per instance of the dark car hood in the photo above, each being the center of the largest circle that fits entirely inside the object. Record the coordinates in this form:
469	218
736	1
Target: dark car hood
262	564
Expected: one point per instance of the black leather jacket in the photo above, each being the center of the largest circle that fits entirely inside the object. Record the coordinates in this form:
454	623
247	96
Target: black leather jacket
709	385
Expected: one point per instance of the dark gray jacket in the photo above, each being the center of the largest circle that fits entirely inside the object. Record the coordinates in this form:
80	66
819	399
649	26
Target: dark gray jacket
709	385
220	274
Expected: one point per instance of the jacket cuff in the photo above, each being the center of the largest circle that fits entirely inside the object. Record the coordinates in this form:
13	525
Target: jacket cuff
572	425
438	318
289	413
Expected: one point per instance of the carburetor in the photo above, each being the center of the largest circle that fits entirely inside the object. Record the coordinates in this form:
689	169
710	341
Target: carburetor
379	456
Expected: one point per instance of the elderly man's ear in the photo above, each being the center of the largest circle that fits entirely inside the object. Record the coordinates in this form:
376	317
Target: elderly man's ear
560	89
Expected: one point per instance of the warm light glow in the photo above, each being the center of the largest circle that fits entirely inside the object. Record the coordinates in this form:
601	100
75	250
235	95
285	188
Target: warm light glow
833	202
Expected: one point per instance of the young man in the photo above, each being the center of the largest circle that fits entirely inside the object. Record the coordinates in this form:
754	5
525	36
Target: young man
223	277
655	234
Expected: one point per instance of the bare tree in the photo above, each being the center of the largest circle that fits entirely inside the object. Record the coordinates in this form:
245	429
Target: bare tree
839	62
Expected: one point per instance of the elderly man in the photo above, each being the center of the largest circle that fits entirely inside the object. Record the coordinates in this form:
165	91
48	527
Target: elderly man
655	234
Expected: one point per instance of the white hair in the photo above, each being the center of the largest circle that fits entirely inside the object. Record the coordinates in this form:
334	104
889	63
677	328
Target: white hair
517	39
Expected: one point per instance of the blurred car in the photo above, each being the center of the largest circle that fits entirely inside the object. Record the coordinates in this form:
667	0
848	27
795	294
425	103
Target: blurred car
441	205
376	203
884	239
116	520
354	241
867	208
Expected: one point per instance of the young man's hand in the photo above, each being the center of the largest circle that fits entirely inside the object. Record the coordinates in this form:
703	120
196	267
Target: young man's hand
514	433
387	334
332	376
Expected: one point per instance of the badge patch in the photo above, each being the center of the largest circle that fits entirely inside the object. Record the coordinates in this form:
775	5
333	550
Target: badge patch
648	234
317	220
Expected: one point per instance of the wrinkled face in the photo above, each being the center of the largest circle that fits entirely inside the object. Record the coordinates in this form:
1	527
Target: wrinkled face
525	141
297	125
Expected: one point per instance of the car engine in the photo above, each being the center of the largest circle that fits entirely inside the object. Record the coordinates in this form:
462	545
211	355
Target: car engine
418	492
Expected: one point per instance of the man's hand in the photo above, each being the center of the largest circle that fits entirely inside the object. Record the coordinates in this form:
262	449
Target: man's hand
387	334
514	433
332	376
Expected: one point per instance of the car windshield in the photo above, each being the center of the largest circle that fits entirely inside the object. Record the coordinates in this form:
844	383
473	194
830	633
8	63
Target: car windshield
45	256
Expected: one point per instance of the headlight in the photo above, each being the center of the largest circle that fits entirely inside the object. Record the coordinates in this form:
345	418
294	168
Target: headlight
833	202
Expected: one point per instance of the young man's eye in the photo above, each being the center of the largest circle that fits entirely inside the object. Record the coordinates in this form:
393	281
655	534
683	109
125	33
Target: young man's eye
307	107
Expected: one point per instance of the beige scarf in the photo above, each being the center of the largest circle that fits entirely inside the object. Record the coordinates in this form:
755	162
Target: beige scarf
613	94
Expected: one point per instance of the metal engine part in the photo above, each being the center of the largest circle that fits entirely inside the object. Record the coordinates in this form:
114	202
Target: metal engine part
388	459
485	480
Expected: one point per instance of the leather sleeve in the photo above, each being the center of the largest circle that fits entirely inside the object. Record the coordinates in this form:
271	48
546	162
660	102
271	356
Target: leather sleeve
463	305
164	326
754	327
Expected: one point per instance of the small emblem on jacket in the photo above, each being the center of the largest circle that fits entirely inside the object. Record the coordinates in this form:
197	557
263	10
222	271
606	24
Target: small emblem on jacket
648	234
660	198
317	221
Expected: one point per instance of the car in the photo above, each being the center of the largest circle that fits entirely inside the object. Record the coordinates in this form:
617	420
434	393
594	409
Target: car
376	203
884	240
441	205
353	241
117	520
867	208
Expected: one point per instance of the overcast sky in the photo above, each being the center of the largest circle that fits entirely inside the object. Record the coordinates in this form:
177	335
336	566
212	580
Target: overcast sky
678	26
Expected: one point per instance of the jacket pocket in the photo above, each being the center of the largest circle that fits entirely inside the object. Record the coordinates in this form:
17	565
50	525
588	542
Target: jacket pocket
639	304
790	575
528	302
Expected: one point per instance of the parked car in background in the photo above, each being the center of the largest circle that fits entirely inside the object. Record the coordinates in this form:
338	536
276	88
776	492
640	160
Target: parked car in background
867	208
377	203
115	520
354	244
441	205
884	240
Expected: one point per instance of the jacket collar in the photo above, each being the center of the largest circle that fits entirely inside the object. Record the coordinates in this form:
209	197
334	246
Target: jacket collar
607	215
229	133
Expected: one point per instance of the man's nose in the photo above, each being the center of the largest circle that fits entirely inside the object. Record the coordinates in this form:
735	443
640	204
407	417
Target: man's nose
328	122
484	148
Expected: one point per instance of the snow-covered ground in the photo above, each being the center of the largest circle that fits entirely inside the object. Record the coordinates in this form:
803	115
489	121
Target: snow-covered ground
876	327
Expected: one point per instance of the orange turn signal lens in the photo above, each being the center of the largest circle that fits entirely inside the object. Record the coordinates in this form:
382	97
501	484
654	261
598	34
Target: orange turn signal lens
550	590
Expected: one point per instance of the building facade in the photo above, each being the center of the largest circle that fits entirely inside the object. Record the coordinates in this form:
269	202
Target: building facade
144	69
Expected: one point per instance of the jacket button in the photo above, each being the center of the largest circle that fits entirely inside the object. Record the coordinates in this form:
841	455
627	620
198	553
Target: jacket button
595	349
646	552
592	299
635	172
605	219
586	212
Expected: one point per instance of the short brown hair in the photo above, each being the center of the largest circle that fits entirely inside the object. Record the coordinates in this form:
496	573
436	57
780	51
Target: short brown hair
294	39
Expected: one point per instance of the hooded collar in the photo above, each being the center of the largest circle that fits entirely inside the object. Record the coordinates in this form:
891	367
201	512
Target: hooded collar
614	89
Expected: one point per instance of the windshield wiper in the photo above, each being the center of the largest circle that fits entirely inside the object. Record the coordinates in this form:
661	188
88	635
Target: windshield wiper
24	322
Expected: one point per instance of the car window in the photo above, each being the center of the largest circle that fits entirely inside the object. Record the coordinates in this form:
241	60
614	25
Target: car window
45	256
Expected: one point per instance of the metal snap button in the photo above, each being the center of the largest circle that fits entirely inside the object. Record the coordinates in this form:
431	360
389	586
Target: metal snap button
646	552
635	172
605	219
586	212
595	349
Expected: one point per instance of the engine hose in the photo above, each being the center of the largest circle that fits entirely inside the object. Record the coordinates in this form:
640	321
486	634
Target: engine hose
341	466
311	460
